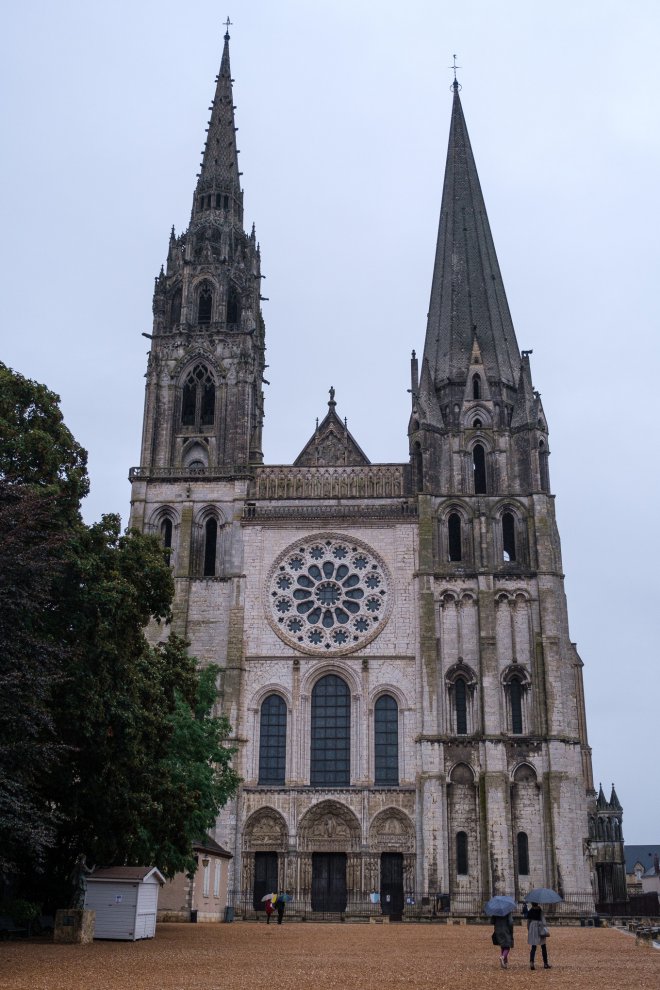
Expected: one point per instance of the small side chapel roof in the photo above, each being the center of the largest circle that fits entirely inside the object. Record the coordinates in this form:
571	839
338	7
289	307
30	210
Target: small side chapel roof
331	444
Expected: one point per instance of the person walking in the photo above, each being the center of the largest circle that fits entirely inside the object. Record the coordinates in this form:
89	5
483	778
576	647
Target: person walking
537	932
269	911
503	936
280	904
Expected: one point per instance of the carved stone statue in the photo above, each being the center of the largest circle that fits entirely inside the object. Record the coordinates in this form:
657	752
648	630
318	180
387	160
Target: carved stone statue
78	878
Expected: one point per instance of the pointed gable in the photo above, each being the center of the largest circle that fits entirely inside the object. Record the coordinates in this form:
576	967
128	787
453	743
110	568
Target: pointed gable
331	444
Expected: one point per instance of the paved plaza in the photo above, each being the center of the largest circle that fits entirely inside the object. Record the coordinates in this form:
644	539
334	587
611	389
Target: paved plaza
244	956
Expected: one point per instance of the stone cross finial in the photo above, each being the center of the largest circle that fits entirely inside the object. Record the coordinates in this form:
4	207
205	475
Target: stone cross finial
228	24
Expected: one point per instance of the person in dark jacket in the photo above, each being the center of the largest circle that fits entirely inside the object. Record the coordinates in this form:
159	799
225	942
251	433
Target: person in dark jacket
536	935
503	936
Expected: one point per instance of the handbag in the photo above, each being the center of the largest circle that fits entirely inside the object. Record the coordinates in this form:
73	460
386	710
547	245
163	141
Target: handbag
544	932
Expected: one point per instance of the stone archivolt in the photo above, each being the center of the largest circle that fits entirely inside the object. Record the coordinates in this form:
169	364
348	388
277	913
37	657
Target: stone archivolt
329	827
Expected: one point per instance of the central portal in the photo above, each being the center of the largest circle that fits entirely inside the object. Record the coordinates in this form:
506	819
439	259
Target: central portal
328	881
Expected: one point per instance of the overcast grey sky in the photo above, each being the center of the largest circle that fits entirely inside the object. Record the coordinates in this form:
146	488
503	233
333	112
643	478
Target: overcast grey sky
343	115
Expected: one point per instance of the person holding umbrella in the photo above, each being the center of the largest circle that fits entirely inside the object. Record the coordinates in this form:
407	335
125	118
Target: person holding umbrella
500	909
537	927
537	932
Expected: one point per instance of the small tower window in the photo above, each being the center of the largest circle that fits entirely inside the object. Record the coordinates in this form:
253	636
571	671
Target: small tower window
508	536
225	203
218	201
454	536
543	467
476	387
515	698
418	464
210	547
460	700
523	854
462	853
166	533
233	308
477	424
205	304
479	466
175	308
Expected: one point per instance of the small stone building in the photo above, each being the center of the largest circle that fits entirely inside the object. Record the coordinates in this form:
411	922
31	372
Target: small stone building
201	896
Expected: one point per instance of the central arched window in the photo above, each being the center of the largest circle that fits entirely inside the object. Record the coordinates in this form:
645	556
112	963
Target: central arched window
460	700
272	741
386	741
523	853
198	398
330	763
462	853
479	466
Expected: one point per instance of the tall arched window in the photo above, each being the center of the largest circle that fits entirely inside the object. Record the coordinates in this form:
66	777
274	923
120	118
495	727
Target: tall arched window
462	853
210	547
272	741
386	741
205	303
508	536
198	398
515	699
330	764
476	387
523	853
460	701
454	536
166	533
479	466
233	306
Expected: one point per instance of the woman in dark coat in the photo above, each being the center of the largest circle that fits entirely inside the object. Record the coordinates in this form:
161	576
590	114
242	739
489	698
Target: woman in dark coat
536	926
503	936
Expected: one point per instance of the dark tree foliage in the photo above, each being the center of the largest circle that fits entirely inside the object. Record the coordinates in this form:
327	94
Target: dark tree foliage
36	448
108	745
31	664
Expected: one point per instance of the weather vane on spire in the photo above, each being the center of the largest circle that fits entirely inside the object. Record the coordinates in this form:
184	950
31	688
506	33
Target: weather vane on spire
455	84
229	23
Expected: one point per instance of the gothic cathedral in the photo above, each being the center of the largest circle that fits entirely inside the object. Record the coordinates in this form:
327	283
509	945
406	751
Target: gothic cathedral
392	638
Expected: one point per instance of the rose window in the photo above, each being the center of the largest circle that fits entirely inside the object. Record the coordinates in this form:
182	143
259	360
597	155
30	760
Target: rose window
328	594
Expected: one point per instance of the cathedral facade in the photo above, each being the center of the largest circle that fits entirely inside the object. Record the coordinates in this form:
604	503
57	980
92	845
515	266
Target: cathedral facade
392	639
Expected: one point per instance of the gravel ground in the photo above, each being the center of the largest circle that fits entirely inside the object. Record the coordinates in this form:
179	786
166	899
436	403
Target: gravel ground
243	956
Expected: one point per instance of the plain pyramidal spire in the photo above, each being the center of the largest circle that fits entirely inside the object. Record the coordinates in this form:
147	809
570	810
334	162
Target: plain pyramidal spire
467	293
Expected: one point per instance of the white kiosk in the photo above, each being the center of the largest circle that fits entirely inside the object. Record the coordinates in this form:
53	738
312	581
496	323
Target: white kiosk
125	899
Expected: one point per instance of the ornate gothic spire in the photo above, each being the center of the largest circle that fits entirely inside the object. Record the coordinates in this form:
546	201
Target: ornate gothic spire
467	294
219	176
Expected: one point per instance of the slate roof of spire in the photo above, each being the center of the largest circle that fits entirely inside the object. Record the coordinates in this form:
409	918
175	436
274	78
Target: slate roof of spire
467	290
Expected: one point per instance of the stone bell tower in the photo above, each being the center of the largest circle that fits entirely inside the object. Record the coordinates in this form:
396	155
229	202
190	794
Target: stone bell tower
204	402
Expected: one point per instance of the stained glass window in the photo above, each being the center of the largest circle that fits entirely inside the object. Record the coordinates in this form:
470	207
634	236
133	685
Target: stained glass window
386	741
331	733
272	741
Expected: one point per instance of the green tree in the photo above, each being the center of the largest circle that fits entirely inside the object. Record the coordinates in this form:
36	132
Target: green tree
107	744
